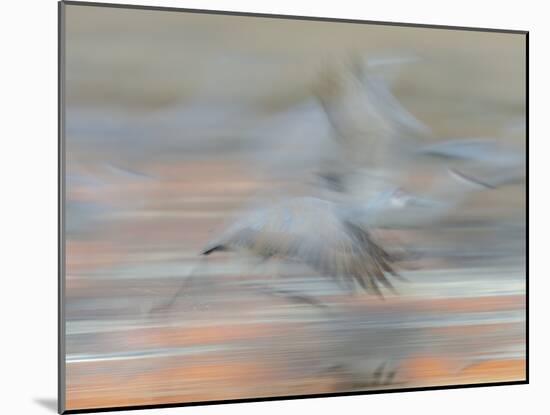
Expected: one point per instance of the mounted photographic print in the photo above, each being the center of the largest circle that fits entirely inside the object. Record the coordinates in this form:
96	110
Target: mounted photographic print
258	207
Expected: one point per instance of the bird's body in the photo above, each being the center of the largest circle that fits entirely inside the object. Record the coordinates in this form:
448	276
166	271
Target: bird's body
316	232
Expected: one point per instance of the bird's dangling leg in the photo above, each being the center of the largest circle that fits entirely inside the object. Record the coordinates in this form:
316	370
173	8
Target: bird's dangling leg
184	286
289	295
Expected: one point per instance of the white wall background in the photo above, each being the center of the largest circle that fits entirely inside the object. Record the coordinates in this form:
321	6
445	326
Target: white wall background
29	189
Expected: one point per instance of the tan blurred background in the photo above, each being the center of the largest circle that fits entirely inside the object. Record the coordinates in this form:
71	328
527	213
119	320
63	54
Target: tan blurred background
159	108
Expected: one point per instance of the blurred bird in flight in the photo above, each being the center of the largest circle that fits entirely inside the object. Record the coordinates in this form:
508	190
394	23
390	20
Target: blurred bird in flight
363	187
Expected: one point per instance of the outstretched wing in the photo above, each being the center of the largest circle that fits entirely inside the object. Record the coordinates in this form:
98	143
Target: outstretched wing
375	132
367	119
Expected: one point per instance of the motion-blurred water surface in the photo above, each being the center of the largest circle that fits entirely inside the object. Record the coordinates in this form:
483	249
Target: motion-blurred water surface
178	123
